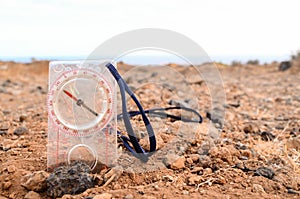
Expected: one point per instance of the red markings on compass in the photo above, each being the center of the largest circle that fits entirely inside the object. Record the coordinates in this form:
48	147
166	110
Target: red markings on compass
57	121
57	83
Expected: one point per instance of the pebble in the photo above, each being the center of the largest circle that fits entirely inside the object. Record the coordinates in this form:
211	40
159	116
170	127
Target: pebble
20	130
265	172
207	171
103	196
250	129
36	181
3	132
67	196
168	178
195	180
11	168
196	169
292	191
179	163
189	160
6	185
267	136
2	197
256	188
22	118
129	196
4	126
32	195
194	157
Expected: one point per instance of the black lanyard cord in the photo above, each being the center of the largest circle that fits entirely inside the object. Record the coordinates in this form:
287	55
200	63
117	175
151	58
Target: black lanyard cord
138	151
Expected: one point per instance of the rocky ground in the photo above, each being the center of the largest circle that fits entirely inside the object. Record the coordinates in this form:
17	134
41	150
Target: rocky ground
253	153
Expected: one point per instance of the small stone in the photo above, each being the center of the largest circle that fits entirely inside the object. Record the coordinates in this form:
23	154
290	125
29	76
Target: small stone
2	197
196	169
20	130
103	196
265	172
129	196
284	65
195	180
22	118
168	178
185	192
250	129
6	185
67	196
11	168
207	171
292	191
179	163
32	195
246	153
3	132
4	126
189	160
221	180
36	181
256	188
267	136
156	188
194	157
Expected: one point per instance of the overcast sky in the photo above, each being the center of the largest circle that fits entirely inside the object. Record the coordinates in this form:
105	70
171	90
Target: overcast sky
77	27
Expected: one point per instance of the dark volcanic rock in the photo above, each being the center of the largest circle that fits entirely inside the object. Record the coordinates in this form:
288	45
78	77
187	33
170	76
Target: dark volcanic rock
265	172
285	65
20	130
72	179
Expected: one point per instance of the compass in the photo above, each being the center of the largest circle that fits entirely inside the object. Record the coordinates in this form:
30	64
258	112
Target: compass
82	112
80	102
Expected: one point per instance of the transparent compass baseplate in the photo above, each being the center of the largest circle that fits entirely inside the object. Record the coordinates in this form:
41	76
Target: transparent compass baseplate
82	117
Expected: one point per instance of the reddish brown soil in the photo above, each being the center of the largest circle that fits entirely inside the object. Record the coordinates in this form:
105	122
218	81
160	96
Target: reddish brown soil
261	129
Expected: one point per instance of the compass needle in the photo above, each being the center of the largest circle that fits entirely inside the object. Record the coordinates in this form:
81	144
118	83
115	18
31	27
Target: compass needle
70	95
89	109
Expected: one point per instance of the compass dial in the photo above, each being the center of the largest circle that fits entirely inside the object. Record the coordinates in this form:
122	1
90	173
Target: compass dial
80	102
